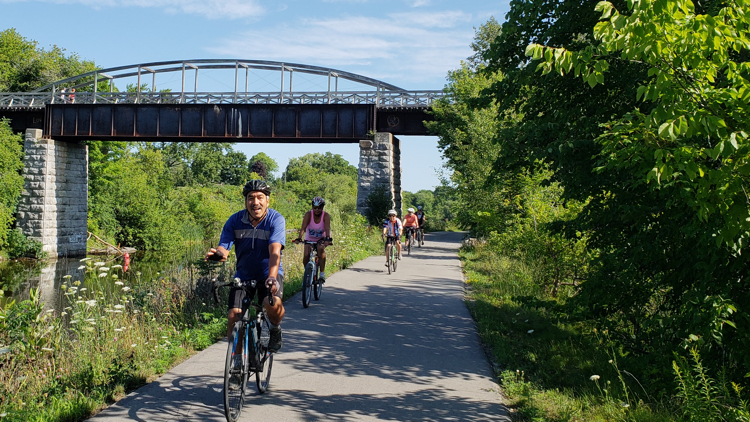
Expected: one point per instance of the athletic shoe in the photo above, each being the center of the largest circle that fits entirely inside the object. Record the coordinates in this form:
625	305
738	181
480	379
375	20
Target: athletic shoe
274	340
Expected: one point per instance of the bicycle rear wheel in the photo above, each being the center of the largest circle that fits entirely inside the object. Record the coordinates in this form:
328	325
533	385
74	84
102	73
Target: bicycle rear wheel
235	376
265	359
419	238
307	280
410	240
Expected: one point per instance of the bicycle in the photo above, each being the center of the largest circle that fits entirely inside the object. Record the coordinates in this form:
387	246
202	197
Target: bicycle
254	356
409	239
391	252
310	282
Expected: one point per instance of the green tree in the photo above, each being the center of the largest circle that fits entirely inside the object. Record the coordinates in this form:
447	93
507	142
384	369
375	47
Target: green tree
683	150
271	165
304	169
11	181
24	66
234	168
208	162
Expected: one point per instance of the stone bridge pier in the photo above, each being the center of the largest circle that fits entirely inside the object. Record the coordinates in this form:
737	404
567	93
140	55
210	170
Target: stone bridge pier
54	204
380	165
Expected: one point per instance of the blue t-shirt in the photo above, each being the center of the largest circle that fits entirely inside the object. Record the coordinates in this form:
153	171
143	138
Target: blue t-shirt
251	243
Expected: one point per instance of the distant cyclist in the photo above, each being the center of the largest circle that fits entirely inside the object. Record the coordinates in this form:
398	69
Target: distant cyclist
316	225
393	228
420	220
411	224
259	234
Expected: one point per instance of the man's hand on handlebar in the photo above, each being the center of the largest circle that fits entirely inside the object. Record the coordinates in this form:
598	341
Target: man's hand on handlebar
215	255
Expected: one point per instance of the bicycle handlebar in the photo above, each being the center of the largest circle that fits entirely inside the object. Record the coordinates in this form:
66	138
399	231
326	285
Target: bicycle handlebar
238	283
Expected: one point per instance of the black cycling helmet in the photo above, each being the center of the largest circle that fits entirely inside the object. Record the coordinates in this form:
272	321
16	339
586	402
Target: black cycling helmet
256	186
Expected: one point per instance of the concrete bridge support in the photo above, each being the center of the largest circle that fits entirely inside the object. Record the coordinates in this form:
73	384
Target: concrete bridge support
54	204
380	165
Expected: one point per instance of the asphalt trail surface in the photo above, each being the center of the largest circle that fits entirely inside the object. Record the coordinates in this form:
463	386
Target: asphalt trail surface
399	347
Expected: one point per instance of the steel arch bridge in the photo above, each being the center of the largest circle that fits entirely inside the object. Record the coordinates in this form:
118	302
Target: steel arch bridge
89	86
158	105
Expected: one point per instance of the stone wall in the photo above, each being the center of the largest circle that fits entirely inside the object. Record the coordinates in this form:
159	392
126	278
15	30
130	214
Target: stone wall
379	164
54	204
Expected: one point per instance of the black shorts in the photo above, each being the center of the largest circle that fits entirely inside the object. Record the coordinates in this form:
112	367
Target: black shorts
410	229
238	298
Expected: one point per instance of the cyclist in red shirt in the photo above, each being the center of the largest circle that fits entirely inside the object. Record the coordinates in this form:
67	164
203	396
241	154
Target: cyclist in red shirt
411	224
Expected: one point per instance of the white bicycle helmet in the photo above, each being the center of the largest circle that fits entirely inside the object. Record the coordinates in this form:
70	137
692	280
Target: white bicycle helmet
392	212
410	210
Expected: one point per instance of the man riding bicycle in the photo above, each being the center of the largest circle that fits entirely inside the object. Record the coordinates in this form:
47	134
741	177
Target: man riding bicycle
411	224
259	234
393	228
316	225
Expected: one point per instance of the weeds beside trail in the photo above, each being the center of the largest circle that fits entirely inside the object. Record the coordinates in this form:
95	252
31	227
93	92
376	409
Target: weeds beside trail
555	366
109	341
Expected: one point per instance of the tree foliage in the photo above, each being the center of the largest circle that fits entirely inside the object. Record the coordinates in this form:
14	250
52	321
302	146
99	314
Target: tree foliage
11	181
622	156
24	66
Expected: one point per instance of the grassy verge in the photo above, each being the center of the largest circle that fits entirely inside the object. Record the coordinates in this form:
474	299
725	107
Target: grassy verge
111	340
552	366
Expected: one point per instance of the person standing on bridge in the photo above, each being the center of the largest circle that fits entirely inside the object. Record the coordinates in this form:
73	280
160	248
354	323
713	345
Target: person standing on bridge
259	234
316	225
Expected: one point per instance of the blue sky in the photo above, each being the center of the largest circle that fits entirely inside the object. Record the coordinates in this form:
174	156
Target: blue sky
408	43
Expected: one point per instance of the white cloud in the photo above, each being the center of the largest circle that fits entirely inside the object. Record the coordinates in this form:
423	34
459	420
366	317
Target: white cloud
412	48
212	9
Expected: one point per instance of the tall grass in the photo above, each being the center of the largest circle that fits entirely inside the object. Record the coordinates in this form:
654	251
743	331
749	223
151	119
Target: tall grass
555	366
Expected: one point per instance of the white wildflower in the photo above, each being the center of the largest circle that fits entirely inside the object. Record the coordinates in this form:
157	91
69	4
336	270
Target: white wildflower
67	276
84	259
91	302
102	275
81	267
125	289
119	306
117	266
98	264
104	269
594	378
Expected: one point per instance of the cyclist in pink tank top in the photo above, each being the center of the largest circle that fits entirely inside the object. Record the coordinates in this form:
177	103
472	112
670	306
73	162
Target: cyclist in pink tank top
316	226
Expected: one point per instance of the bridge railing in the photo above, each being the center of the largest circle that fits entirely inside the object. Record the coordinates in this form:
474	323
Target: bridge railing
379	98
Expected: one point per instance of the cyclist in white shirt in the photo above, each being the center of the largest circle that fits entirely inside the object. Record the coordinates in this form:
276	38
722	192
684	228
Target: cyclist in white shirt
393	228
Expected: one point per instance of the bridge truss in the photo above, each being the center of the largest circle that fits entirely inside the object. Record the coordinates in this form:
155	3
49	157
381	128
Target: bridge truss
98	87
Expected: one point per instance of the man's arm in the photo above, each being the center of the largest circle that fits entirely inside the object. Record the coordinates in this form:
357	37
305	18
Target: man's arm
274	258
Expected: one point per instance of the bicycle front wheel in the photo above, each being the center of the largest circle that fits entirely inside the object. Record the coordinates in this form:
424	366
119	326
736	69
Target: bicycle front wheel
307	280
235	374
394	257
317	288
265	359
389	256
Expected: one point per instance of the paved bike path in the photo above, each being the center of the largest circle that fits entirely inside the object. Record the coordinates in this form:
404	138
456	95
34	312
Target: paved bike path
399	347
